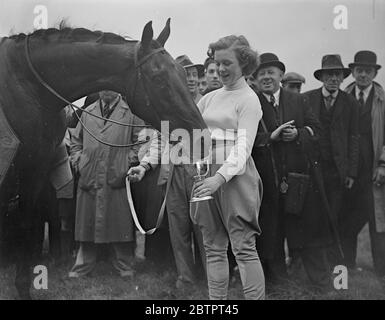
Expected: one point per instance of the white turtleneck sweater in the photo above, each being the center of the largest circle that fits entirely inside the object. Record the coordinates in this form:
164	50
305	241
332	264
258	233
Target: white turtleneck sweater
237	108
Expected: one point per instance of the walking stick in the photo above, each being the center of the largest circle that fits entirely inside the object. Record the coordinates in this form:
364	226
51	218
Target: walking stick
319	181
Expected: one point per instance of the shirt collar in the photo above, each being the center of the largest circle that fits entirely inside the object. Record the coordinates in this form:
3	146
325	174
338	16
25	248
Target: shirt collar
112	102
326	93
276	95
366	92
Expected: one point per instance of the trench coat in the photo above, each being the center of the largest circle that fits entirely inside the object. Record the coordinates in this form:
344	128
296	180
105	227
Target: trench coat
310	228
378	138
102	209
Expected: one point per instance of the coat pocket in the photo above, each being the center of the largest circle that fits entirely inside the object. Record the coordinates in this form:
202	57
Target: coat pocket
86	177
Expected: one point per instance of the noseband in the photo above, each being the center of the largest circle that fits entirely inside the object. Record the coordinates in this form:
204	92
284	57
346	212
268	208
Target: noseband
138	77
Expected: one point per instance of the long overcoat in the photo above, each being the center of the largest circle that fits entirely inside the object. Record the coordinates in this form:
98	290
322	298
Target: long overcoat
343	130
378	139
102	210
311	227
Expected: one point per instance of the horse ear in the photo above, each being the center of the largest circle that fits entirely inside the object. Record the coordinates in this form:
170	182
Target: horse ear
147	35
162	38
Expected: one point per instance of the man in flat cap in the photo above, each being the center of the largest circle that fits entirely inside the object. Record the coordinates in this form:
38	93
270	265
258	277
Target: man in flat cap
366	200
338	144
212	75
285	134
293	81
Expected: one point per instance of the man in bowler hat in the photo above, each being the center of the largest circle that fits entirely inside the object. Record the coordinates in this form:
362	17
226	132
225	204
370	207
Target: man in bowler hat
285	135
338	144
365	202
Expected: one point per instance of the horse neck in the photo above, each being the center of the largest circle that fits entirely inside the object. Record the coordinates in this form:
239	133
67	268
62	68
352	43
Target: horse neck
76	69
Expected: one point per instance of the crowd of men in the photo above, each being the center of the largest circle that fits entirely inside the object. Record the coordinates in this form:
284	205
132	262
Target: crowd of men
320	154
341	159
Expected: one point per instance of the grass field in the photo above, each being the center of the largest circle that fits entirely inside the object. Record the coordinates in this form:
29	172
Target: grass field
158	282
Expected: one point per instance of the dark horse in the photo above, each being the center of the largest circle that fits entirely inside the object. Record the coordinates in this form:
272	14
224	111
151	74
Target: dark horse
77	62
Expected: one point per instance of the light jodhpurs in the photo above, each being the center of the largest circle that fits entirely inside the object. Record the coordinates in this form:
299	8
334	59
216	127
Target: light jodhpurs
232	214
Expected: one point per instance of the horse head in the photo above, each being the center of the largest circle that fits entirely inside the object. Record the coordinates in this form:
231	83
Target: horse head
161	86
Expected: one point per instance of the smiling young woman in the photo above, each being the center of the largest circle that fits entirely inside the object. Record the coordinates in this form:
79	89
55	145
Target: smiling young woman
232	114
228	66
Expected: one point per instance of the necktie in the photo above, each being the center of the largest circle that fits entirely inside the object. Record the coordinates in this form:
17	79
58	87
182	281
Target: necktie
361	98
272	100
106	110
328	101
276	111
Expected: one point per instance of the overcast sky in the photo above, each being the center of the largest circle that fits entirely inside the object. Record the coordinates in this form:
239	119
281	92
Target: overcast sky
299	32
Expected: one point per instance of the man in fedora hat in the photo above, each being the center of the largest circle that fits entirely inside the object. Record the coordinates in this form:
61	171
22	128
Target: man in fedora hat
192	75
365	201
293	81
338	143
287	129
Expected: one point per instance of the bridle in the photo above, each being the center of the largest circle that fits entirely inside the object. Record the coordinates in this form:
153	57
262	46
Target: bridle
138	77
138	72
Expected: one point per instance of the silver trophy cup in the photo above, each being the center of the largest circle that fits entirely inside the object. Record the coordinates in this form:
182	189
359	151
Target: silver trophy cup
202	169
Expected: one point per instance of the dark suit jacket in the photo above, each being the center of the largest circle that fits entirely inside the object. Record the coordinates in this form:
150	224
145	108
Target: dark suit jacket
344	130
294	108
311	228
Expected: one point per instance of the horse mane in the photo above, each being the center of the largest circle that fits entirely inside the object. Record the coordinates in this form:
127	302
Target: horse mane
68	34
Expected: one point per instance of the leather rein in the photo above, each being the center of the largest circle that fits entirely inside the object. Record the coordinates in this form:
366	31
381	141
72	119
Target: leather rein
138	77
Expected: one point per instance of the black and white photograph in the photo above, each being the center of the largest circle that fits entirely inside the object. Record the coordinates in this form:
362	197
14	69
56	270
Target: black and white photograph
192	150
